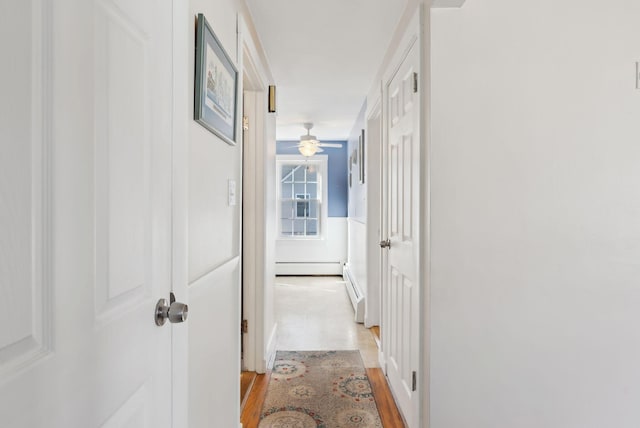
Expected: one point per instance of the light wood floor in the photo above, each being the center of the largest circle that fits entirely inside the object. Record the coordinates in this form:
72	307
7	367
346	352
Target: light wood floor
314	313
376	334
250	417
246	382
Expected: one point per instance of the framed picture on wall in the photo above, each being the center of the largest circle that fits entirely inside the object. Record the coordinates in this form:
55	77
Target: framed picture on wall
216	85
361	154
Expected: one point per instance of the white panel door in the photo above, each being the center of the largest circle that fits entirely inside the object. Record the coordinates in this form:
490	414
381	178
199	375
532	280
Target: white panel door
86	213
402	288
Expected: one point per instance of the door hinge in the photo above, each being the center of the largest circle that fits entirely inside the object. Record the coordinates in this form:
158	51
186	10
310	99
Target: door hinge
245	123
414	381
244	327
415	83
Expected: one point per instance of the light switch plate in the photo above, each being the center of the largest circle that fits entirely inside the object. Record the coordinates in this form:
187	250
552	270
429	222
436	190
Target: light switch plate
232	193
637	74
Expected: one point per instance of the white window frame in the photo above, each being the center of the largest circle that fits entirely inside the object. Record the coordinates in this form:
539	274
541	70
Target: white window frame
321	163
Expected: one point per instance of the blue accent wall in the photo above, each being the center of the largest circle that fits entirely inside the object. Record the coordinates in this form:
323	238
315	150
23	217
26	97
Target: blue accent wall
338	190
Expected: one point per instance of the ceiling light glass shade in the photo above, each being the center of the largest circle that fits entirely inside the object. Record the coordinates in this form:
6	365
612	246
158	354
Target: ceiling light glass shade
307	149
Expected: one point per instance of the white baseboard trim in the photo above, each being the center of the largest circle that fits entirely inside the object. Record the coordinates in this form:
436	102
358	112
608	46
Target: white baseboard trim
355	294
382	361
270	356
283	268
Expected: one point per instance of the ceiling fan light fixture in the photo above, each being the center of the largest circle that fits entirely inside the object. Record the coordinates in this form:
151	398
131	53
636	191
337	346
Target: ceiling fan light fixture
309	145
308	139
307	149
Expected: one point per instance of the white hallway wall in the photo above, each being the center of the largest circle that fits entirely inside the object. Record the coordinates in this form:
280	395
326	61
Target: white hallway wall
330	250
214	250
214	262
535	207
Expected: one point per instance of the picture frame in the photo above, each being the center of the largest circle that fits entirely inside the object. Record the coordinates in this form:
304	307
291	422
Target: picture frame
216	85
361	155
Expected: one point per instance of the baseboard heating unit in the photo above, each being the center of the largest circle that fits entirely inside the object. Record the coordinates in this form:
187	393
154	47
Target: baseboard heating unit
355	295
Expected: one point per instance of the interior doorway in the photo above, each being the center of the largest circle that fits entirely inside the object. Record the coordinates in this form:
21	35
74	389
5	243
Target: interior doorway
249	261
256	326
402	214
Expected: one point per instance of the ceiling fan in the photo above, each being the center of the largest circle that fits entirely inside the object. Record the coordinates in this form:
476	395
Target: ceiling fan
309	145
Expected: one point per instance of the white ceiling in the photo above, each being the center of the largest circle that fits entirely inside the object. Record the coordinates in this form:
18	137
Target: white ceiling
324	56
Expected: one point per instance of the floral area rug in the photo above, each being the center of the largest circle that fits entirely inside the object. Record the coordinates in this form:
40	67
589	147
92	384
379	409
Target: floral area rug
319	389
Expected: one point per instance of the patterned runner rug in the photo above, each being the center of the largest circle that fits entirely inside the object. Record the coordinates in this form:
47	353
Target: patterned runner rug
319	389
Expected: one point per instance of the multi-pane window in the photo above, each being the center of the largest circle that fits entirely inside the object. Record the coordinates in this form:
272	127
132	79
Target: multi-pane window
300	198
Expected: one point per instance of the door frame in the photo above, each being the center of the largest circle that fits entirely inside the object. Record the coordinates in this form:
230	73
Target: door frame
423	11
257	201
424	94
180	215
374	172
415	36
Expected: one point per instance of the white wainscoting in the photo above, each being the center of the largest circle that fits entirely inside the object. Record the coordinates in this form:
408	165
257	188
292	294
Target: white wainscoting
324	256
214	347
